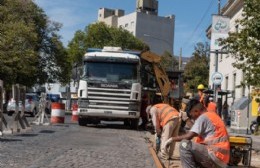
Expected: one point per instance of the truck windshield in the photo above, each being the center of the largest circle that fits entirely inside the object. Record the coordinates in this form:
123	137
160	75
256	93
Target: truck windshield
110	72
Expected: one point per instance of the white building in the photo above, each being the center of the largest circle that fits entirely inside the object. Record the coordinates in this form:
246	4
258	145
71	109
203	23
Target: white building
232	77
242	112
145	24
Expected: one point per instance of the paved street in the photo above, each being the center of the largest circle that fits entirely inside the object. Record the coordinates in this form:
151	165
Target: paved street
69	145
72	146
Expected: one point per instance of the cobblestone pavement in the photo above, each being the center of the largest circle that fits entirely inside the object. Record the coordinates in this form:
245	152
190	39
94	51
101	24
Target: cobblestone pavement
72	146
176	163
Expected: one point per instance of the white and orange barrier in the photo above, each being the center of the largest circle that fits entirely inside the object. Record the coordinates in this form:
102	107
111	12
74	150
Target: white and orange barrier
74	116
57	112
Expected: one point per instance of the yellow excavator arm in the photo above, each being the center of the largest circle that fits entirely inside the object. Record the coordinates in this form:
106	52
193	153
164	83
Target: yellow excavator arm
160	74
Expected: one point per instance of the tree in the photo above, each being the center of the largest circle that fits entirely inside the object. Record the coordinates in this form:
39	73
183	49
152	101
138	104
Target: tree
169	62
197	69
244	45
99	35
30	48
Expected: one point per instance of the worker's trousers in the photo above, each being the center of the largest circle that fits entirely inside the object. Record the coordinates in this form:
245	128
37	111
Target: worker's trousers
171	129
195	155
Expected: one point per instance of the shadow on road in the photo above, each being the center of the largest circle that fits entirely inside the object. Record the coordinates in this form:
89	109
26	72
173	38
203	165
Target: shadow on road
27	135
47	131
9	140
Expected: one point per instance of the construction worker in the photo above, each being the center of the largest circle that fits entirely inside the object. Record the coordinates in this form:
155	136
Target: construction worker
201	95
212	106
166	122
211	147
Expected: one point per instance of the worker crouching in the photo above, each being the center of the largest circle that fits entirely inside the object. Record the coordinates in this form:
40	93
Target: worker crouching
166	122
210	147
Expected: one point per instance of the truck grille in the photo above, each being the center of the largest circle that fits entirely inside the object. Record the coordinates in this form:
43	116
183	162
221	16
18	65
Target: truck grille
110	99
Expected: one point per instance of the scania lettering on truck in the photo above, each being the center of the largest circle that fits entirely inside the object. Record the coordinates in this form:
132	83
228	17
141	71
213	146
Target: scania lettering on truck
110	87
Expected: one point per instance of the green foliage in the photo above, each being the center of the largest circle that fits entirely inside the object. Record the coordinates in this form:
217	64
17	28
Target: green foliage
29	45
99	35
197	69
244	45
17	43
169	62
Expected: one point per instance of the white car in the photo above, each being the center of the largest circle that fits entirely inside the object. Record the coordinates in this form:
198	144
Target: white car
31	104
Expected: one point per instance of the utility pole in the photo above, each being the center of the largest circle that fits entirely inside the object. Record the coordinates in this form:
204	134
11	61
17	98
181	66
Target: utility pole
219	7
180	59
216	99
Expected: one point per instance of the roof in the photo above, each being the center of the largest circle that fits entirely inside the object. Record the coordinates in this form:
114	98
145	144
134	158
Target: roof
113	55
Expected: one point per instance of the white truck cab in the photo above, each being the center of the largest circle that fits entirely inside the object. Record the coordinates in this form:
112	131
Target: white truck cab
110	86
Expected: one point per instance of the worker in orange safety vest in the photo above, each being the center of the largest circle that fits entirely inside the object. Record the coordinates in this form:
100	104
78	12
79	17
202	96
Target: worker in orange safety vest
212	106
166	122
201	95
211	147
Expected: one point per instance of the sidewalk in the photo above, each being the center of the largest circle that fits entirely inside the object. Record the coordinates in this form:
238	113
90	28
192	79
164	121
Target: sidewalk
176	163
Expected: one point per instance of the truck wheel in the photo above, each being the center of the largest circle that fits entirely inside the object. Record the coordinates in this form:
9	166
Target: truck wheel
134	124
82	122
126	122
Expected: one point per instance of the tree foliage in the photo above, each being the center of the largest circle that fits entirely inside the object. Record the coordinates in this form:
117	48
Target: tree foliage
98	35
169	62
244	45
197	69
30	48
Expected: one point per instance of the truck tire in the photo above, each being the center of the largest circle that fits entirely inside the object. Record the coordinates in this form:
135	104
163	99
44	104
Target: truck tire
126	122
82	121
134	124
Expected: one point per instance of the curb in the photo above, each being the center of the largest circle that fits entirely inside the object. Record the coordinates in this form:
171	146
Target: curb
157	161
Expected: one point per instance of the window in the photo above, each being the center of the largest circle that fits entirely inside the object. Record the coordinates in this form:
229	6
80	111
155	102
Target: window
234	83
243	87
126	25
226	83
237	28
132	24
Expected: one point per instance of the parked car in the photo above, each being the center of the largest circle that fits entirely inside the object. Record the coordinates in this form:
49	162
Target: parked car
31	104
49	100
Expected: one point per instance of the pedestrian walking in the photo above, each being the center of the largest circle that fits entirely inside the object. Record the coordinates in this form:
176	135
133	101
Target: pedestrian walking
166	122
211	147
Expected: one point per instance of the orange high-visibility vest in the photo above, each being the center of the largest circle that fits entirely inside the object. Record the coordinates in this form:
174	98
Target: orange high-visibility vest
212	107
219	142
166	112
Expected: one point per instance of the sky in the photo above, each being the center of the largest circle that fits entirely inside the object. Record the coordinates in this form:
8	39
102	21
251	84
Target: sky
192	17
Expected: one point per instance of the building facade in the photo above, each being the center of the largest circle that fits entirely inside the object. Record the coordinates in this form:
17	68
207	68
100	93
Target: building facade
232	77
145	24
242	108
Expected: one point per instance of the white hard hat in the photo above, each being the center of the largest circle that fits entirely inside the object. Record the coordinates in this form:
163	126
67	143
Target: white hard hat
210	98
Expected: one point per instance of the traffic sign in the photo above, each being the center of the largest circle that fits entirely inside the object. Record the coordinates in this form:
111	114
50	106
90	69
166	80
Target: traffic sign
216	78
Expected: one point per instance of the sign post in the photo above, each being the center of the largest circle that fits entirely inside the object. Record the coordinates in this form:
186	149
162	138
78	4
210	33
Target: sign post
216	79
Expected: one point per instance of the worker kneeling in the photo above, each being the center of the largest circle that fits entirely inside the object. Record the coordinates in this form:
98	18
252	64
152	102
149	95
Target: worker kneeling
166	122
211	146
